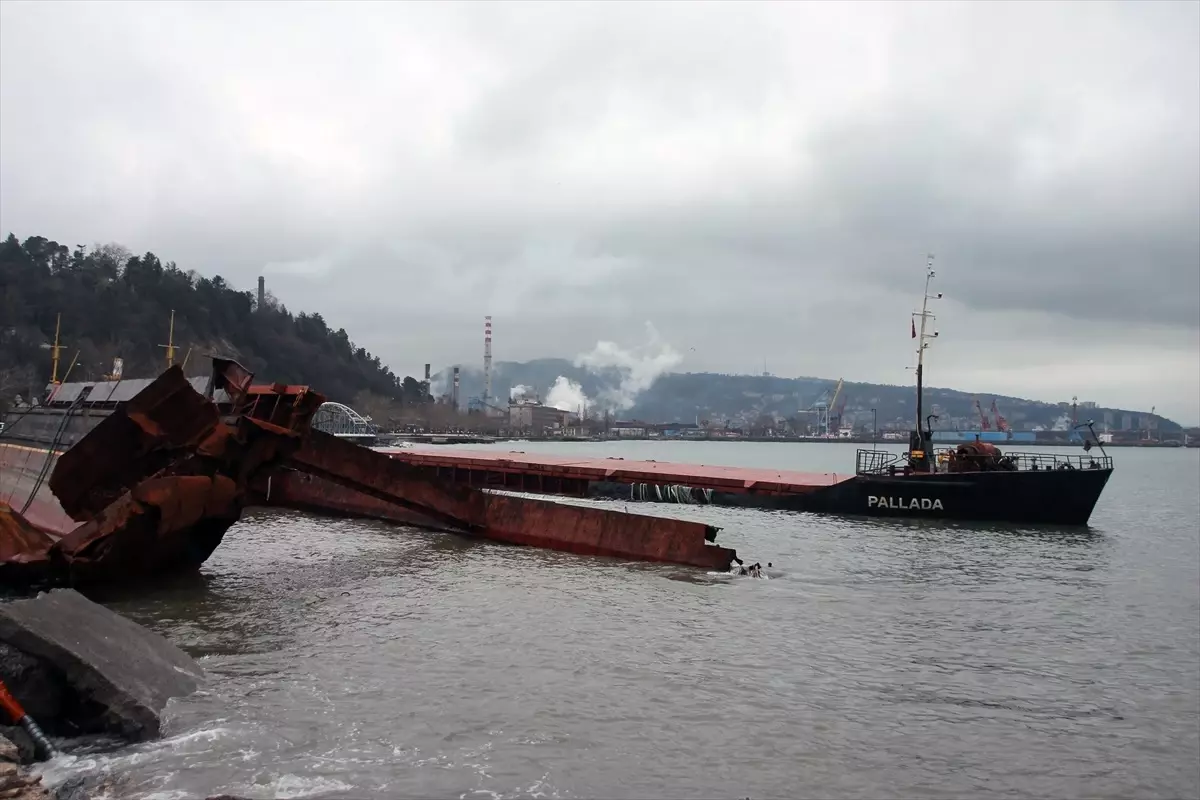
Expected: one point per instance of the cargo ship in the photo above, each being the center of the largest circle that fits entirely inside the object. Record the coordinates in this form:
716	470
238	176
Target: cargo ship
972	481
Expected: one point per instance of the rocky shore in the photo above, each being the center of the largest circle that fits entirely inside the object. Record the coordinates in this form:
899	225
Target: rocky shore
78	670
15	780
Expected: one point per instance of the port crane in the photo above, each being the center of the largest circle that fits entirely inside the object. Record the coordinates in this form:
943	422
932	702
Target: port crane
984	423
829	412
1001	422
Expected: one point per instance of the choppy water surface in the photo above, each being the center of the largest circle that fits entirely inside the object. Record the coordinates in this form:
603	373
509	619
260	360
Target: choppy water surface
881	659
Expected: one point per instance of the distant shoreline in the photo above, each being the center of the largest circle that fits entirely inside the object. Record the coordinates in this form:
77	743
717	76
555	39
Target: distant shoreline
449	439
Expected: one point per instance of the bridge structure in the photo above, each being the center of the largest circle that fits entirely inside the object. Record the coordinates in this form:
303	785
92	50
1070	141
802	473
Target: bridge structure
343	422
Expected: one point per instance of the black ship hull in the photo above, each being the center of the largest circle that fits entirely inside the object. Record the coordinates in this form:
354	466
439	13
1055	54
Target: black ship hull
1046	496
1058	497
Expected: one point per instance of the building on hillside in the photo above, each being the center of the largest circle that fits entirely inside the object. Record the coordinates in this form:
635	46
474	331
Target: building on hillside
532	418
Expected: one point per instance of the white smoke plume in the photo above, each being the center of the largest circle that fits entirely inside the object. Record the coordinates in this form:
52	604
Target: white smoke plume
638	367
520	392
439	384
567	395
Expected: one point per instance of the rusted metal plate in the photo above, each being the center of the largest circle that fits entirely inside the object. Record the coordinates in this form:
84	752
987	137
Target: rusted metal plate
162	525
287	488
24	547
134	442
232	377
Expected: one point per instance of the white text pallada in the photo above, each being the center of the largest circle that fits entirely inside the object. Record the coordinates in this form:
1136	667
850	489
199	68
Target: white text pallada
904	503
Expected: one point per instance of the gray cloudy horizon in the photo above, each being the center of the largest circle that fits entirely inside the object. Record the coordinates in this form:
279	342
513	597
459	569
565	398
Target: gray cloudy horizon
759	181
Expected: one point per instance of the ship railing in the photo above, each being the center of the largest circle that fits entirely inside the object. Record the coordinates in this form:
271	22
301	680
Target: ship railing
1021	462
883	462
878	462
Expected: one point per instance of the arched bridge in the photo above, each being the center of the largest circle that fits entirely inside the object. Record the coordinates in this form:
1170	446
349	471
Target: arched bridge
344	422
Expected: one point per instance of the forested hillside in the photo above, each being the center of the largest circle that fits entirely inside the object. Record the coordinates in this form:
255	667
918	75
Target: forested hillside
115	304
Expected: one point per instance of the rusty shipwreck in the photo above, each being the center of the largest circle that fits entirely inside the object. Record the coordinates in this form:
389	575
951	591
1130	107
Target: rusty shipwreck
155	480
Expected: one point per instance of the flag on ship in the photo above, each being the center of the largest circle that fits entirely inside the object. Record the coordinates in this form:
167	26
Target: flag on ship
914	328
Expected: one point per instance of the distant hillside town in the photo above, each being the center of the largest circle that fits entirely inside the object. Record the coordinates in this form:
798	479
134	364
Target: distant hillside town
554	394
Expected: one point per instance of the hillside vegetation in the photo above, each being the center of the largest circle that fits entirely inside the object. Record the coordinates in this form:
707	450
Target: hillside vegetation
115	304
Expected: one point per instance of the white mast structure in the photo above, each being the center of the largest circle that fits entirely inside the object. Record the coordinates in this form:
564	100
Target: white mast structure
926	317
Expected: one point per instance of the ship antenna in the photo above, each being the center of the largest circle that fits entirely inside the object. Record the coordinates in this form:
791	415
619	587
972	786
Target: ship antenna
920	440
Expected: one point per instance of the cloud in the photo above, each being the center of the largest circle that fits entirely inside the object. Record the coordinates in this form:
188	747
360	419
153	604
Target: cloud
761	180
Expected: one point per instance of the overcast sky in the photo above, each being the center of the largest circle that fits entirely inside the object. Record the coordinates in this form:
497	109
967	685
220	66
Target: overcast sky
758	181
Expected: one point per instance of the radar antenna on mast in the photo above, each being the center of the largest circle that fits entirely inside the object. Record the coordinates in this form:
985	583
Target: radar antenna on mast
920	440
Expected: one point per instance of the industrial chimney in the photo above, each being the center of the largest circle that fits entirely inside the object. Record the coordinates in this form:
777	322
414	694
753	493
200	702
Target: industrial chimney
454	391
487	361
262	292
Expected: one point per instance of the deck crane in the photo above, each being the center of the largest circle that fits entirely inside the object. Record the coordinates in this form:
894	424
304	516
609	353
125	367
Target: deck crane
1001	422
984	424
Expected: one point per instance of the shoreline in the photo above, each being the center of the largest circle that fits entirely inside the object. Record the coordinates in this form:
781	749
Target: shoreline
451	439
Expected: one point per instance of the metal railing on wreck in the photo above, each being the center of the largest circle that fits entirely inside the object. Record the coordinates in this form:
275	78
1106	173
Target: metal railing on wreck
882	462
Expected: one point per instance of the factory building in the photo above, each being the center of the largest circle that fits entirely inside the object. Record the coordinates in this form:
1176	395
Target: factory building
533	418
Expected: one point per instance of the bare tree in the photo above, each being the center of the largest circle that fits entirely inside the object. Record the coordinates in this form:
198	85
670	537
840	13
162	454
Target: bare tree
14	381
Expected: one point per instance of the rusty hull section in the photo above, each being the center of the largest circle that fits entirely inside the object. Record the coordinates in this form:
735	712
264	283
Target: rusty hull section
156	485
288	488
165	420
24	548
584	530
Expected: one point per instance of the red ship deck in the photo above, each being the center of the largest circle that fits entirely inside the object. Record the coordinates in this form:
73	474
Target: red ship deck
19	468
737	480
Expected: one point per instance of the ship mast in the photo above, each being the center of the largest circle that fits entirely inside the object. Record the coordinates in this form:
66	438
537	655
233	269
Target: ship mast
170	345
55	349
919	442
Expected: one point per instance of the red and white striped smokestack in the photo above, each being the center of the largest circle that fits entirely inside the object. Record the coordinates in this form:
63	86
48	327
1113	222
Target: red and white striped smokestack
487	359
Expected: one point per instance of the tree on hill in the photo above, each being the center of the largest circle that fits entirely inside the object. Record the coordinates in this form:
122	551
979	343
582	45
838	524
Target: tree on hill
114	304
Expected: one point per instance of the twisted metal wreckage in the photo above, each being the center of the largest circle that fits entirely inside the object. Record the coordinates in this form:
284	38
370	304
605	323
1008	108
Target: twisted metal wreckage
155	486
